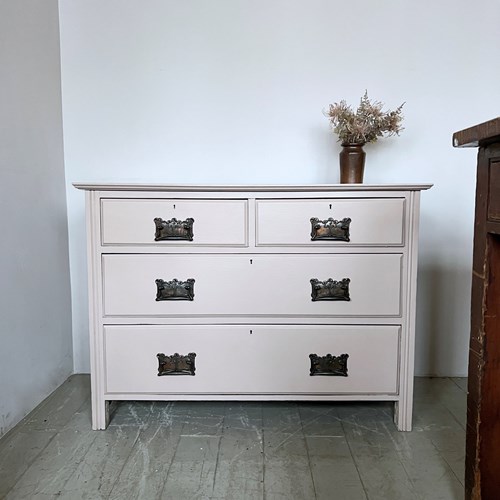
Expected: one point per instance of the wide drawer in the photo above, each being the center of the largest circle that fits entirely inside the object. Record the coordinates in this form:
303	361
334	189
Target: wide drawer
320	222
174	222
253	284
247	360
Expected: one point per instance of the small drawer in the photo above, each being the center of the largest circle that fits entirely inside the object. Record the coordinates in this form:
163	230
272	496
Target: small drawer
328	285
224	359
172	223
337	222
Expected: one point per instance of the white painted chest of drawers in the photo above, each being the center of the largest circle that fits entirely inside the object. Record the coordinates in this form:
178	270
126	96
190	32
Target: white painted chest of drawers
252	293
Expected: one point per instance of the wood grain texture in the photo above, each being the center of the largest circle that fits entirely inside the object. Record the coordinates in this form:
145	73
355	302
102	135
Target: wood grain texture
20	447
482	469
231	450
494	192
240	465
478	135
489	426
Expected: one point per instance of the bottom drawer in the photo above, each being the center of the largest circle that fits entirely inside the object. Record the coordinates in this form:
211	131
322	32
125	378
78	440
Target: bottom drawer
252	359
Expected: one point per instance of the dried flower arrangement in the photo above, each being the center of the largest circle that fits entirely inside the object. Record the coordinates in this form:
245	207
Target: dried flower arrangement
367	124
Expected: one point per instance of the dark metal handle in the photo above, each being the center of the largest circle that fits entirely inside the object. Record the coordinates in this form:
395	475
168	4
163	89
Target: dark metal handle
176	364
330	229
174	229
330	289
175	289
332	366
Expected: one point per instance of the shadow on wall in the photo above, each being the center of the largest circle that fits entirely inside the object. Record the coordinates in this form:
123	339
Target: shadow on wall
443	319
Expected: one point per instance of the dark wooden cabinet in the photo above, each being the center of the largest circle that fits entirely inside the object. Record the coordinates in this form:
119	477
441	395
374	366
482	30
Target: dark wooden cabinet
482	461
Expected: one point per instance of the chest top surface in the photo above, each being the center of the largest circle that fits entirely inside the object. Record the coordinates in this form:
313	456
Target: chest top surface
203	188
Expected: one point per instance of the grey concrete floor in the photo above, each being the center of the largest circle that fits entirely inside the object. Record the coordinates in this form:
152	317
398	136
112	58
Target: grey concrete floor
233	450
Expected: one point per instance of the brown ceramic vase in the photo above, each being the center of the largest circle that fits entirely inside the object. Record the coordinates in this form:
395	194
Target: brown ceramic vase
352	163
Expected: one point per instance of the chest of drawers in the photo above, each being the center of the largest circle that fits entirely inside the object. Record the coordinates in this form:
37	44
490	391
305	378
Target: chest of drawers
252	293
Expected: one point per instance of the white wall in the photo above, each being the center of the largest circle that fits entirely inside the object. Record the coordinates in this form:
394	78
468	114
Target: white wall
232	91
35	307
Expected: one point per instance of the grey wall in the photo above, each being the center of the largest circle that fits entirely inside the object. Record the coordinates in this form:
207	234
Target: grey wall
35	305
232	91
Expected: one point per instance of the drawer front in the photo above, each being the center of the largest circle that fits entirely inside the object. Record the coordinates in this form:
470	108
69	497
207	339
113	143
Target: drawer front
239	285
251	360
352	222
174	222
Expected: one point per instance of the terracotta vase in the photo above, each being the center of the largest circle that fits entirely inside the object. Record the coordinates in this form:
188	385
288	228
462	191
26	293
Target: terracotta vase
352	163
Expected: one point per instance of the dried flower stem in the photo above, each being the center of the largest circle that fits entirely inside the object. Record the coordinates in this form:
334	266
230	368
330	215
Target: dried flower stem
367	124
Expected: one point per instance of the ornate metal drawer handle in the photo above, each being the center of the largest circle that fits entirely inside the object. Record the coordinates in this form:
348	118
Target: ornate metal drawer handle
330	289
333	366
175	289
330	229
176	364
174	229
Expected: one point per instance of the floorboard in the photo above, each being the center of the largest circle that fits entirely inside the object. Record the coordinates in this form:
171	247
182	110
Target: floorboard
238	450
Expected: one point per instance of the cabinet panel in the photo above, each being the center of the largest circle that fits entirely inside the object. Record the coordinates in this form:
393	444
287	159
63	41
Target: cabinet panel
259	359
257	284
370	221
213	222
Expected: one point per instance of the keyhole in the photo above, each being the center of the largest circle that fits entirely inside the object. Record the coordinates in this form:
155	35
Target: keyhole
330	207
251	261
251	332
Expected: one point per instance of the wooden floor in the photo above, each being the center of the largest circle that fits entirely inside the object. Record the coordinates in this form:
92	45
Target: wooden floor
232	450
